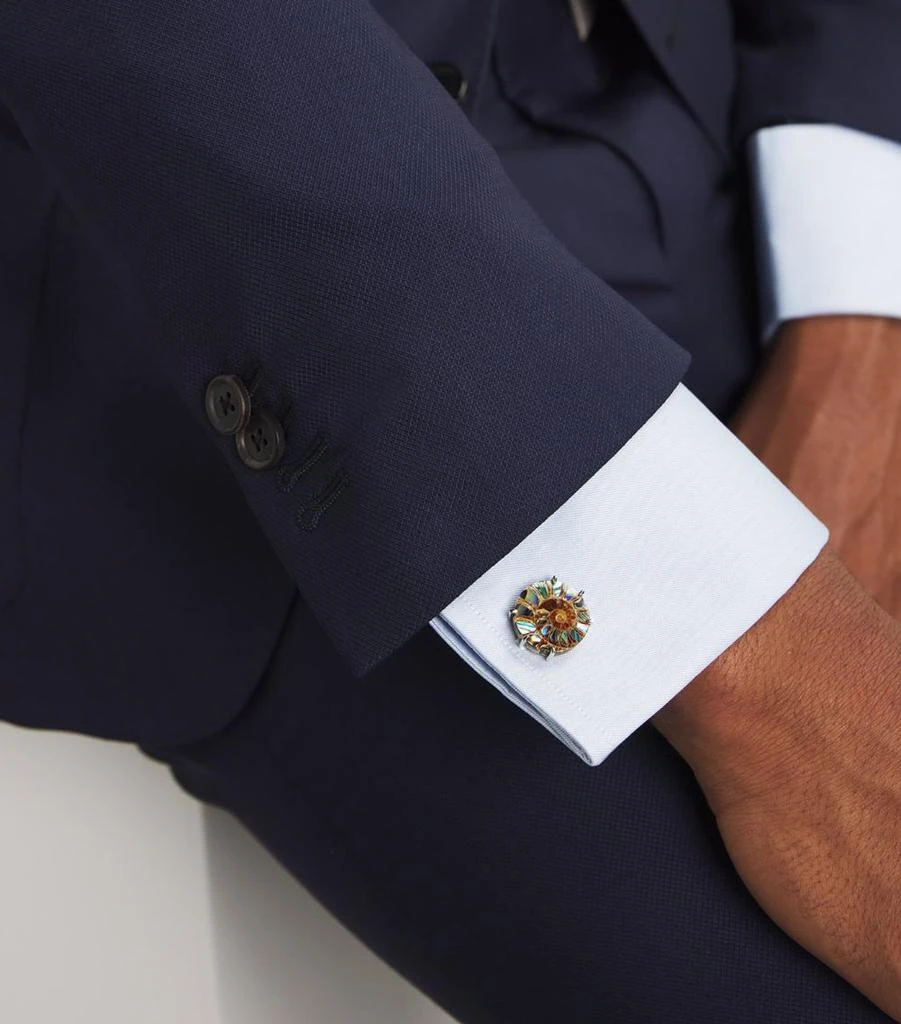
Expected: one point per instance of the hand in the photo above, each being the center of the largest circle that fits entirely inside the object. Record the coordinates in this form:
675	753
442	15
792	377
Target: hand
795	736
825	417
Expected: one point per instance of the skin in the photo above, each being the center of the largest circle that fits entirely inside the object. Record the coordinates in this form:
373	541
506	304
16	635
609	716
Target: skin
825	417
794	733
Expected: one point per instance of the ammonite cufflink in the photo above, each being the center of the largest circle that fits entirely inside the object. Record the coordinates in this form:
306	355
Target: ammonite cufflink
549	618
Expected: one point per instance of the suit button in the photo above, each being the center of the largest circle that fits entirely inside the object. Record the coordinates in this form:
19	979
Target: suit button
227	403
261	441
451	77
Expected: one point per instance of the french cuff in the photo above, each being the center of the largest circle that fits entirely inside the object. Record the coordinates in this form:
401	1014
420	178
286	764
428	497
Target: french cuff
828	203
681	542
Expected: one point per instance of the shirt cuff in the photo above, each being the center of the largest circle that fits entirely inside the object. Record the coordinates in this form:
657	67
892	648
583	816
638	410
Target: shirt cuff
829	222
681	542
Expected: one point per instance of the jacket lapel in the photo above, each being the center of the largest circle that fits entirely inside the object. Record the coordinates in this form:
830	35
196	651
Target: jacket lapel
692	40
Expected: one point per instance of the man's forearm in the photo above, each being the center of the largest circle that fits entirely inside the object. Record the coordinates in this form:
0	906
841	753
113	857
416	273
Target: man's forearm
824	650
794	732
825	417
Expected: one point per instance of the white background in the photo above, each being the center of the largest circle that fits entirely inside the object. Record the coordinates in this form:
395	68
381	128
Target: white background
122	899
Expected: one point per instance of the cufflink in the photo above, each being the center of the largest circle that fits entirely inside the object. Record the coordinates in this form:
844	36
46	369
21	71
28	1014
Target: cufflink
549	618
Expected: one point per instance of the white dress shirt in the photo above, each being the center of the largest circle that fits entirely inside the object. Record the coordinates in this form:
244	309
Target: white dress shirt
829	202
683	540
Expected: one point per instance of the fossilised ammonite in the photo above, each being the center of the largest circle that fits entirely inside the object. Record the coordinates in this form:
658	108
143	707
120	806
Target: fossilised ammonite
549	618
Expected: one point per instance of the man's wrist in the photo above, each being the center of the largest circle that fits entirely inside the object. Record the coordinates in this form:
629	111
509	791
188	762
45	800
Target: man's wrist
824	417
822	371
839	337
762	709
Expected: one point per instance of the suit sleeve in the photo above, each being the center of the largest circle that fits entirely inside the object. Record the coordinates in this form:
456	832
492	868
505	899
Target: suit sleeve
828	61
284	187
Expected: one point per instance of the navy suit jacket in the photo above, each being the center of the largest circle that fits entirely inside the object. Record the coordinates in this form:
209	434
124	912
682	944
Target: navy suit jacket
286	192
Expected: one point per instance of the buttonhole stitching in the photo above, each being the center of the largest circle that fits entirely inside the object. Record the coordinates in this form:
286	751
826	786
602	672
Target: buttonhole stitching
291	472
310	513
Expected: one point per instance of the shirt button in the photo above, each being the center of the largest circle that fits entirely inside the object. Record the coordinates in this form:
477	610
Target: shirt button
261	441
451	77
227	403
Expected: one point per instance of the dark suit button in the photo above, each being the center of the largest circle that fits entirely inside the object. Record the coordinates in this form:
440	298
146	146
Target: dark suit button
261	442
451	77
227	403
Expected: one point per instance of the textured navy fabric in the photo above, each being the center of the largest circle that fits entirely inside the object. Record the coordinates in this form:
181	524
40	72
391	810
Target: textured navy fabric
481	858
282	190
282	187
424	293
